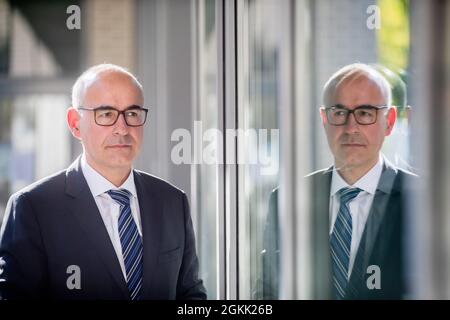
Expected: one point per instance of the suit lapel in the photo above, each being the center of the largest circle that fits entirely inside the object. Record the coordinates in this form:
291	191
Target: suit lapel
320	191
151	217
83	206
377	214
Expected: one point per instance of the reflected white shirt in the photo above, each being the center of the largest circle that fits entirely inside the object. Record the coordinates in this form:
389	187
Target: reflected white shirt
110	209
359	207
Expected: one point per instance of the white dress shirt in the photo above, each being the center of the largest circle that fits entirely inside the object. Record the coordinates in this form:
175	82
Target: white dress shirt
109	208
359	206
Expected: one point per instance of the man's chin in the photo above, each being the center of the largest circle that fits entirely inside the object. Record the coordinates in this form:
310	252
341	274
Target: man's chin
120	161
347	167
354	162
350	163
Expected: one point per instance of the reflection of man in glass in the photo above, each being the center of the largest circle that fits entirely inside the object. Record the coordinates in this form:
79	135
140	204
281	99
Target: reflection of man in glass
362	195
365	191
100	229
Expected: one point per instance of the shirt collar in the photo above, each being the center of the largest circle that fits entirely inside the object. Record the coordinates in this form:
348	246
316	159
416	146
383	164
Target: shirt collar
368	182
99	184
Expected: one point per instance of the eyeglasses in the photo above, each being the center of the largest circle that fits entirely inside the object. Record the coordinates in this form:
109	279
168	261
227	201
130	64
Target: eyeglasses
106	116
338	115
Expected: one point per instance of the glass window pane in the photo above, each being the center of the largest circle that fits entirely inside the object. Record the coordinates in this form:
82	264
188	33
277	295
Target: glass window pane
345	33
34	140
258	146
206	191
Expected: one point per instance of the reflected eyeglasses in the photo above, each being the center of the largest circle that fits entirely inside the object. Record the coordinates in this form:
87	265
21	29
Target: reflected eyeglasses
338	115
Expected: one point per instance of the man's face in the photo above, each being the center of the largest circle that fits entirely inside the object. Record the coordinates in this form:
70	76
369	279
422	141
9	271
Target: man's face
354	145
116	146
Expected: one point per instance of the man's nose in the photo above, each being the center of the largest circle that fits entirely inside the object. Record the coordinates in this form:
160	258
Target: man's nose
351	125
121	127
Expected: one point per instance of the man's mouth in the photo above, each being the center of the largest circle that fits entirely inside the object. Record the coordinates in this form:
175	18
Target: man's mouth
352	145
120	146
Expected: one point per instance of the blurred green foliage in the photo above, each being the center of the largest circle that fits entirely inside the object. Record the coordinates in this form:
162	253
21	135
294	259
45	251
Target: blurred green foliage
393	42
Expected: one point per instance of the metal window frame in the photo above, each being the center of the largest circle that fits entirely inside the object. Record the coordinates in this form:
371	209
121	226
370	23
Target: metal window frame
296	68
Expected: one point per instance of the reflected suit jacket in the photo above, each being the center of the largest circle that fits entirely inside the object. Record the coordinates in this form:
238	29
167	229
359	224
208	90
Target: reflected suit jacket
55	224
382	243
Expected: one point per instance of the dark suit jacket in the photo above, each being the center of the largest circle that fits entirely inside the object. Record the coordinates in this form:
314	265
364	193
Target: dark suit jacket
381	243
55	223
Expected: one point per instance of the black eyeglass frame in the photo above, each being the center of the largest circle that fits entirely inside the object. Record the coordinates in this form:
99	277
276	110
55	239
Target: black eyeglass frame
118	114
349	111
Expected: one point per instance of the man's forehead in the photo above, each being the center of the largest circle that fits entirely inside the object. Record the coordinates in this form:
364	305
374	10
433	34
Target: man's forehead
360	88
105	91
108	77
100	83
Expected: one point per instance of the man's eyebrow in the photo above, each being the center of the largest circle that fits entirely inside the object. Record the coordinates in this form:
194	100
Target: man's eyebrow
366	106
104	107
133	106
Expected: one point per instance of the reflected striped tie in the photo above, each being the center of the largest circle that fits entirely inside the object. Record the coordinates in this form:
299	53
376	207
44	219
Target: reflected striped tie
340	242
131	242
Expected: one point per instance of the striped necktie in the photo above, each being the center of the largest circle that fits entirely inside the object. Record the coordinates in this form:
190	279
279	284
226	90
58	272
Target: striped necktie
131	242
340	242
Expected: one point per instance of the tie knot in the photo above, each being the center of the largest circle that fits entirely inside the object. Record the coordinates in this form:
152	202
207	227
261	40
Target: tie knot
121	196
348	194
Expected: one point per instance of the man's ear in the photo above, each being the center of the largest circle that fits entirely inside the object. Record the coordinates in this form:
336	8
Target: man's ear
391	117
323	115
73	120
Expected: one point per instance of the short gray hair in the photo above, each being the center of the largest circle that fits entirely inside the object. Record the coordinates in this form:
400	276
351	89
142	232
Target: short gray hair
91	74
352	71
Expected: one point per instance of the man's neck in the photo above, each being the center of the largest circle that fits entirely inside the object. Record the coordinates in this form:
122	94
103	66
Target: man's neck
353	174
117	176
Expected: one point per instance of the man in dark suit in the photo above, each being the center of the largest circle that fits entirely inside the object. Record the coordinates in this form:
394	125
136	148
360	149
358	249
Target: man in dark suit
358	204
100	229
